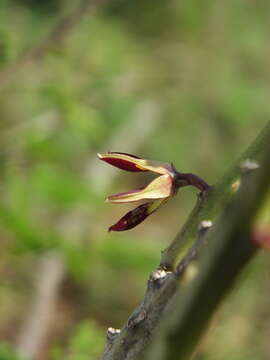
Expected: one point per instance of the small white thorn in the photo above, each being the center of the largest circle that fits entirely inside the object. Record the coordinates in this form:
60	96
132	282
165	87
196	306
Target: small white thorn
249	164
205	224
113	331
158	274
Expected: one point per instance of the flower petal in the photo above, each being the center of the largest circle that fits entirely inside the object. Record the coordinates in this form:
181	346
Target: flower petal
159	188
133	163
123	161
136	216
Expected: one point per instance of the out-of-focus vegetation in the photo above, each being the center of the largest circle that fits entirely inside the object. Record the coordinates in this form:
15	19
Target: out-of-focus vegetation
205	66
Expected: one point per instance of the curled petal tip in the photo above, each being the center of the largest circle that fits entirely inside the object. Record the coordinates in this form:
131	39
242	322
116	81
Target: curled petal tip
100	156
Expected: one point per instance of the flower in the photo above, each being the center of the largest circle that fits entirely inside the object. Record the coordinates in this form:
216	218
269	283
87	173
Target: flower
157	192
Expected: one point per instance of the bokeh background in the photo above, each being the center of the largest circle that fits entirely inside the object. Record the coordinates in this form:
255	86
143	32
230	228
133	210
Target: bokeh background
186	82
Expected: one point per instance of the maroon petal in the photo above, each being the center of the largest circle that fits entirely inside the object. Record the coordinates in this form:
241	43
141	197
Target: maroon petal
123	164
131	219
136	216
123	161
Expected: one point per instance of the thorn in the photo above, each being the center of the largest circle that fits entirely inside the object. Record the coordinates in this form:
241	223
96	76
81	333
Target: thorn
112	333
158	274
157	278
205	225
249	165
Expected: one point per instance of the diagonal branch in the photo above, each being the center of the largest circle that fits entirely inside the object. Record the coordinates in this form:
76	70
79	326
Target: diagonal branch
229	247
210	206
163	284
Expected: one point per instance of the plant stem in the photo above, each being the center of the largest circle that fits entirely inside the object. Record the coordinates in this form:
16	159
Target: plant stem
185	179
167	316
209	206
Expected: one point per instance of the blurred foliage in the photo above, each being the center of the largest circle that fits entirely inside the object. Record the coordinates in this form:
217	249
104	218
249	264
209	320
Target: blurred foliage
7	353
206	67
85	344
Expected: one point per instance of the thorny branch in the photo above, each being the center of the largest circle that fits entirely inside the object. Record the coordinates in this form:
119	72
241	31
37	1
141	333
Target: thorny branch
212	203
230	245
164	283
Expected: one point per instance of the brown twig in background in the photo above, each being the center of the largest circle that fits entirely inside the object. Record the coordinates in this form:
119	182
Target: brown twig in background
73	226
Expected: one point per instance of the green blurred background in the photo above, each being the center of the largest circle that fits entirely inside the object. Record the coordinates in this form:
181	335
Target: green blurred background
186	82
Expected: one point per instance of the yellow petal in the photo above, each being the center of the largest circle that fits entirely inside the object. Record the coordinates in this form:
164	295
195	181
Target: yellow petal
159	188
